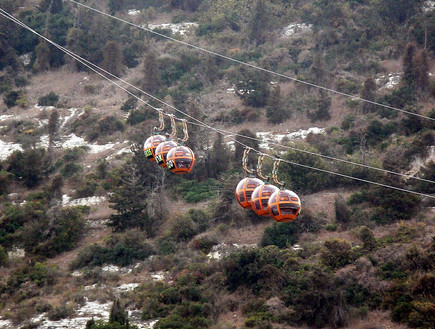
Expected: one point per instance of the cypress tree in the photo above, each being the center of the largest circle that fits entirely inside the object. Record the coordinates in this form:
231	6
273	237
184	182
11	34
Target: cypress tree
43	57
151	73
118	314
369	93
113	58
275	112
410	70
422	63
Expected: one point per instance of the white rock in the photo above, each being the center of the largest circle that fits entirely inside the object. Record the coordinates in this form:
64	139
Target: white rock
133	12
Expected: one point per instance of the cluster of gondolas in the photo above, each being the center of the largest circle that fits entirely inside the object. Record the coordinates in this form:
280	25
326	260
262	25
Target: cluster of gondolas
264	198
166	152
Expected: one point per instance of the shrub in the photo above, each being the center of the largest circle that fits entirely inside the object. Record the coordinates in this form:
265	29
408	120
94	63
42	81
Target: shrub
70	169
54	233
50	99
282	235
11	98
129	104
193	191
3	256
337	253
109	125
367	238
60	312
342	211
119	249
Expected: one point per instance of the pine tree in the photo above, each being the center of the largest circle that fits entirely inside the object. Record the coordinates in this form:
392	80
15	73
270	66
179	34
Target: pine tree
43	57
410	69
151	73
113	58
129	201
369	93
275	112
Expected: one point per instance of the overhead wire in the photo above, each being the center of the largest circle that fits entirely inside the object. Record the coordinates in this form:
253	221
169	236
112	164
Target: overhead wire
83	62
251	65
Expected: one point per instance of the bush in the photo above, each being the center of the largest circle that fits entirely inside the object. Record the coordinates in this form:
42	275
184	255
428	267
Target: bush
193	191
337	253
58	231
109	125
70	169
3	256
119	249
11	98
50	99
282	235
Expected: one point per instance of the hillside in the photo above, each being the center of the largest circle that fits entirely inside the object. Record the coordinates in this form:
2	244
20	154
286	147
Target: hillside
90	229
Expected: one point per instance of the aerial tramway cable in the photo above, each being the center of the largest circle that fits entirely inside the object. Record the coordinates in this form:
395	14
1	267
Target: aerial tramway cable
199	123
252	65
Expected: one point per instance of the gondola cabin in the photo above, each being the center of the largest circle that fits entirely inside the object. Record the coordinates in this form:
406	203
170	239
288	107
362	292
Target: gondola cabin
284	206
151	144
260	198
180	160
162	151
244	190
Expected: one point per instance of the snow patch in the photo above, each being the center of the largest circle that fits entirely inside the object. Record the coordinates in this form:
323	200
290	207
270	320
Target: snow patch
7	149
133	12
294	28
90	201
25	59
388	81
158	276
221	250
17	253
179	28
428	6
5	117
272	137
5	324
127	287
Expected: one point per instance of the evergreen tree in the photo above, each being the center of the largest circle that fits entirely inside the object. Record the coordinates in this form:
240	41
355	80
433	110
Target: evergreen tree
369	93
323	105
129	201
318	70
52	128
43	57
118	314
249	141
422	63
217	161
113	58
275	112
410	69
258	23
151	73
56	6
252	87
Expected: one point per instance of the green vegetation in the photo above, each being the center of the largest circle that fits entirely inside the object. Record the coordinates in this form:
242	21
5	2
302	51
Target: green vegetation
198	257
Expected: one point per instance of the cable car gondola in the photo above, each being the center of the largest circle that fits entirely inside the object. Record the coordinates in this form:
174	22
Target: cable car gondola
284	205
247	185
262	193
151	144
180	160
